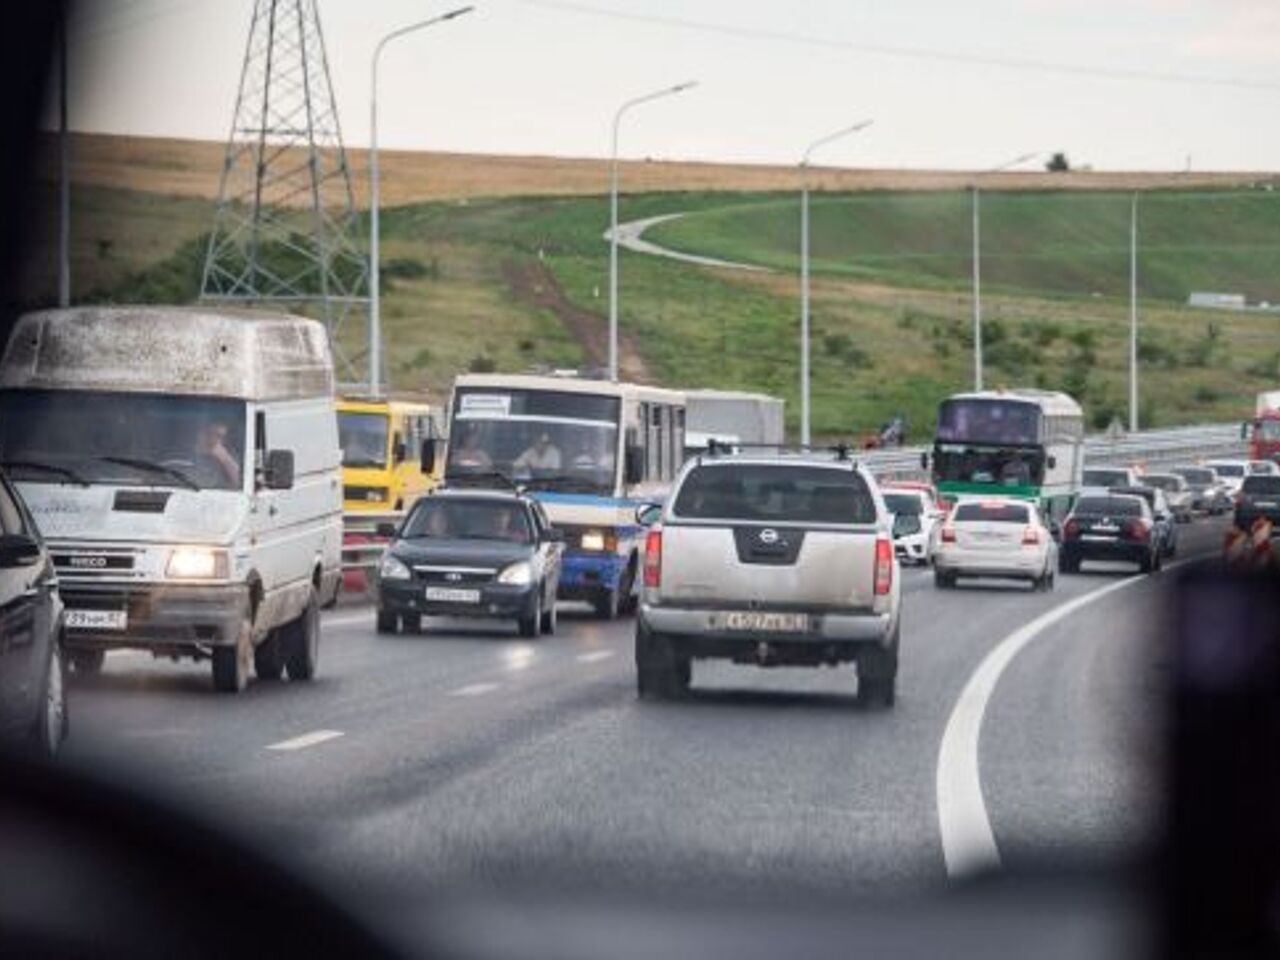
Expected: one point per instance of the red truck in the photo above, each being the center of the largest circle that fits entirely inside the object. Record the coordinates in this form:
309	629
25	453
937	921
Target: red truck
1263	431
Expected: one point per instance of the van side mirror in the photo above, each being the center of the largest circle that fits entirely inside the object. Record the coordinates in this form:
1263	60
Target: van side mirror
427	456
399	452
277	471
1051	461
385	531
647	514
18	550
633	471
553	535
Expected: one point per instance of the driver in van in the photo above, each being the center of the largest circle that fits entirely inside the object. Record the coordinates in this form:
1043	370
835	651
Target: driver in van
215	465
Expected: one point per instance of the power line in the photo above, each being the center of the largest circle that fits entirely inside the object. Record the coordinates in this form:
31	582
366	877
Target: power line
910	53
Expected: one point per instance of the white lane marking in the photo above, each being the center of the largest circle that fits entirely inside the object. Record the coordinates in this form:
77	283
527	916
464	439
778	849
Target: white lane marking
474	690
968	844
594	656
519	657
306	740
346	620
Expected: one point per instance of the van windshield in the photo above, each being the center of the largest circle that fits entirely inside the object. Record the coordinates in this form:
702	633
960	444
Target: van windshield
125	439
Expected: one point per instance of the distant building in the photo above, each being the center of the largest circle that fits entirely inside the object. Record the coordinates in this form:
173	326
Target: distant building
1217	301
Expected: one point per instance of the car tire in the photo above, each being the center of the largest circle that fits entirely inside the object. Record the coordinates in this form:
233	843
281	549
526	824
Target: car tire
301	641
607	604
530	625
268	661
231	663
878	675
87	662
660	674
387	622
550	619
50	726
628	599
411	622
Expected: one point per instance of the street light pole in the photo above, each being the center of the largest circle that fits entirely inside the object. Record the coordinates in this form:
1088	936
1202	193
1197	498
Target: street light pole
804	272
64	171
977	267
1133	314
375	191
613	214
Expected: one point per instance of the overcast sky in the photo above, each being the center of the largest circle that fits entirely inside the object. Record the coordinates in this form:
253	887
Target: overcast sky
544	76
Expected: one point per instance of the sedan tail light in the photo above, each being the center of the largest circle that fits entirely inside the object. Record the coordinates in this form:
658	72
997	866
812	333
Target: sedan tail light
948	534
653	558
1030	536
1070	530
1138	529
884	566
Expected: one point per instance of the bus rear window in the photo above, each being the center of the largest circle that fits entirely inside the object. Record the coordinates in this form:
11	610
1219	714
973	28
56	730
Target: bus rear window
988	421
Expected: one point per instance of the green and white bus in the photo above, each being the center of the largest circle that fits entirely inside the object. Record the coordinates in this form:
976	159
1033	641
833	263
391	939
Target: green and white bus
1019	443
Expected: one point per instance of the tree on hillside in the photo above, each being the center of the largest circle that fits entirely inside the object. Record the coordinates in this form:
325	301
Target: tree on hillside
1058	163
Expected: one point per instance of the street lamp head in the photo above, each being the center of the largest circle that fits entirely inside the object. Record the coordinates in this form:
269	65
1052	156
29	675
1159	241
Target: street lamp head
457	13
681	87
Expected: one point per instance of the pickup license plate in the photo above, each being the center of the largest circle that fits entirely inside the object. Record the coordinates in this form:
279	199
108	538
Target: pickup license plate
452	595
753	621
97	619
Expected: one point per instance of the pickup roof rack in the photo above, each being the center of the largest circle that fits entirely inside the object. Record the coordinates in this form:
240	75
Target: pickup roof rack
720	448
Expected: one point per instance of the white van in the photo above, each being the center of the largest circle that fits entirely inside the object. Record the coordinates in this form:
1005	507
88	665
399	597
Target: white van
183	465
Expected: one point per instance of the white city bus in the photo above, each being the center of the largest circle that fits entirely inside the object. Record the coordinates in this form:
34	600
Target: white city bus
589	450
1021	443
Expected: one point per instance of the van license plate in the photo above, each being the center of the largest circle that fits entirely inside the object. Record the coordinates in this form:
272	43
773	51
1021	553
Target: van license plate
754	621
97	619
452	595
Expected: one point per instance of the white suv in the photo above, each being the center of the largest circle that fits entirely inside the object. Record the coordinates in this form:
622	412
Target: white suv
775	561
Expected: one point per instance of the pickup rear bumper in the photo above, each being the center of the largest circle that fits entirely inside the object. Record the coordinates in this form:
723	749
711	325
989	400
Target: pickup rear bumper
706	625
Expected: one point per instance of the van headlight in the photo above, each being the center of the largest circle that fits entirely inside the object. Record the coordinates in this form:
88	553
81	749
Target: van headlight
517	575
197	563
393	568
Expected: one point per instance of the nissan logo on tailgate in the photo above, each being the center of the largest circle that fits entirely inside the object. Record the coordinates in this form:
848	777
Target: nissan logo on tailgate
769	536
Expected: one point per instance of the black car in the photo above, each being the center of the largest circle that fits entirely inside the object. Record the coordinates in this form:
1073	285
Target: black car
1166	524
1110	527
471	553
1259	497
33	707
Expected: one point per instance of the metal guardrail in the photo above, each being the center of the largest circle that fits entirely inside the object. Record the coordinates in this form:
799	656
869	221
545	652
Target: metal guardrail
1146	447
361	555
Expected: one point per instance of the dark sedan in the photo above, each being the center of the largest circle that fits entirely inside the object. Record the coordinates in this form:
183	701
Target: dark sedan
1110	527
471	553
1259	498
33	707
1166	525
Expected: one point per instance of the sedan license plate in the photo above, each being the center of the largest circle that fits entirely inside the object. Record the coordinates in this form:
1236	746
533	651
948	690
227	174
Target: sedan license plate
97	619
452	595
754	621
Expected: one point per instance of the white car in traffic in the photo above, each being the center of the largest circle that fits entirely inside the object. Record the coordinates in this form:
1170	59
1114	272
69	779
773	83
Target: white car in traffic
1231	473
996	537
916	520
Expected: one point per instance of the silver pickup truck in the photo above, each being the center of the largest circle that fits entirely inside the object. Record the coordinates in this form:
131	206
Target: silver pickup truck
780	560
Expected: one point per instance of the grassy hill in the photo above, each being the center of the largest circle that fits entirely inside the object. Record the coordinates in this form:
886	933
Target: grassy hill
511	283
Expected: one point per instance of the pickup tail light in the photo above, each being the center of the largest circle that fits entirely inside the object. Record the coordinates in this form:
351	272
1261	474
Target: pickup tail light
884	566
653	558
948	533
1030	536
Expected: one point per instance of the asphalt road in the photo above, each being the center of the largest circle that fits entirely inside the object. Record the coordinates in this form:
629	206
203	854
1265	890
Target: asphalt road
472	760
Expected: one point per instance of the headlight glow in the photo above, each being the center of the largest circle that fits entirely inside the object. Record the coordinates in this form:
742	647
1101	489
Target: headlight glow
196	563
518	574
393	568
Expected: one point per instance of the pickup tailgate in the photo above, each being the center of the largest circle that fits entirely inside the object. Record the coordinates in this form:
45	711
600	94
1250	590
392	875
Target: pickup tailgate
782	566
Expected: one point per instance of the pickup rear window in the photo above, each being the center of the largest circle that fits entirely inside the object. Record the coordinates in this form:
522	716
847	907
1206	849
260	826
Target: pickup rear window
991	513
769	493
1261	485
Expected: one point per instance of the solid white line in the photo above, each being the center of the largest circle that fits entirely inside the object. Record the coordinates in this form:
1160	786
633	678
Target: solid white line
594	656
968	844
306	740
346	620
474	690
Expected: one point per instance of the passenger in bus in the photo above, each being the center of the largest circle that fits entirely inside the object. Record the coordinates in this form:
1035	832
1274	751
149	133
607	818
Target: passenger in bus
471	455
541	457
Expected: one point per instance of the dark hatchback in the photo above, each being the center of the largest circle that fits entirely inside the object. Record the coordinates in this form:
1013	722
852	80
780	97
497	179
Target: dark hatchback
471	553
1259	498
1114	527
33	708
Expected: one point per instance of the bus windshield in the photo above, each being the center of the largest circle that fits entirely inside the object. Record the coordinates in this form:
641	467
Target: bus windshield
545	439
1012	422
1009	467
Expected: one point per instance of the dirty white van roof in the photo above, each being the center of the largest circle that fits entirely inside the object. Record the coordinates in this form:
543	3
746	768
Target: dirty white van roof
174	350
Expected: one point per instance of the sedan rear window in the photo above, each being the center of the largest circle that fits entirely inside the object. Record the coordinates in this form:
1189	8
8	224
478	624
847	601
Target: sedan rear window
1109	507
1197	476
783	493
1229	469
1262	485
991	513
1105	478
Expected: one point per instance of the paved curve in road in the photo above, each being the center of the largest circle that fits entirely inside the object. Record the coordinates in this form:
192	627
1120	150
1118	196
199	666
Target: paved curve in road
631	237
471	759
